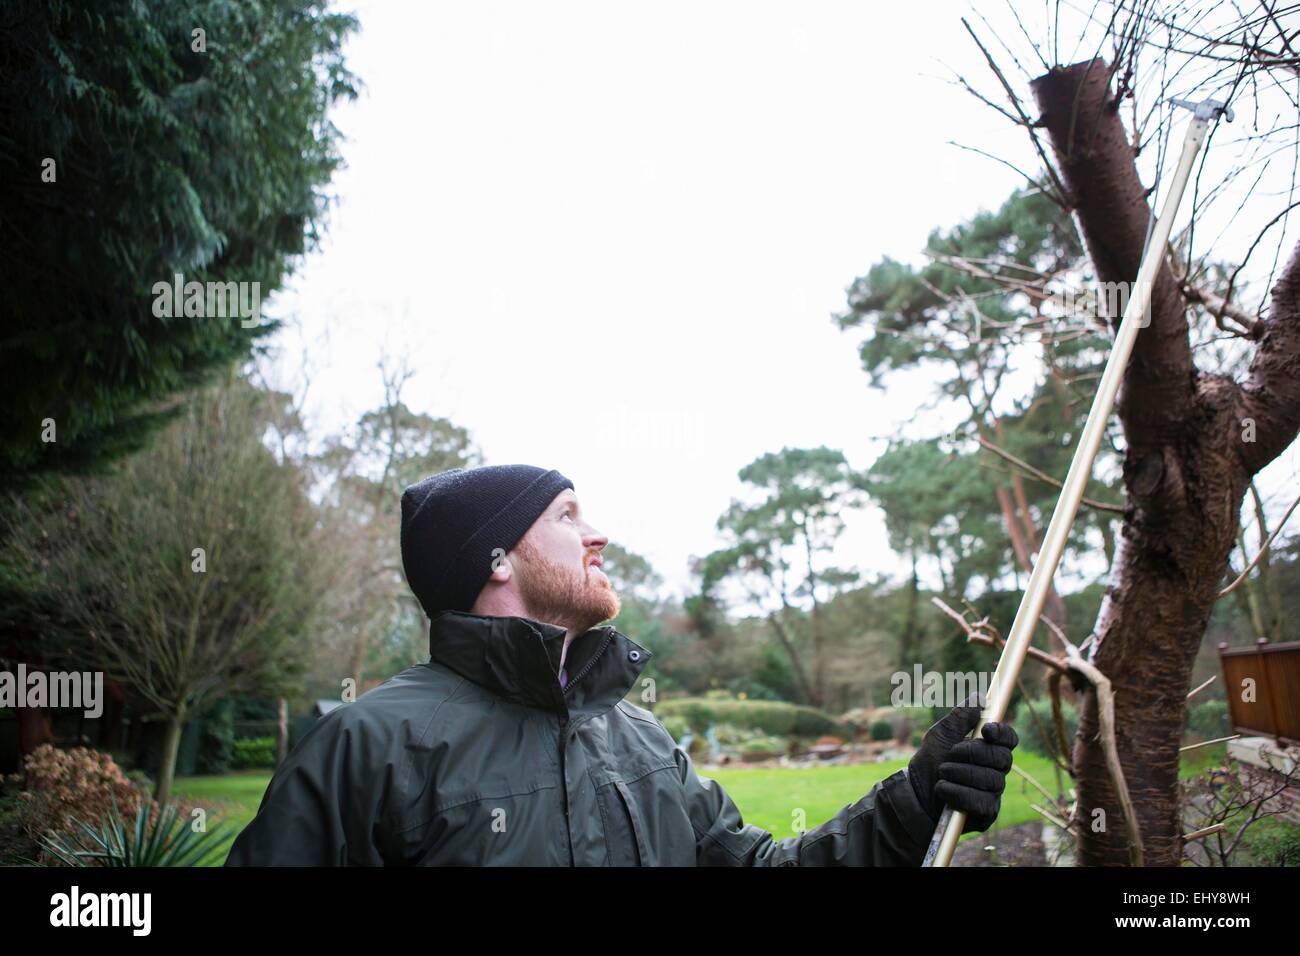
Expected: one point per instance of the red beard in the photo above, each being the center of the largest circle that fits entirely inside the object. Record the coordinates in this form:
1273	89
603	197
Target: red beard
576	601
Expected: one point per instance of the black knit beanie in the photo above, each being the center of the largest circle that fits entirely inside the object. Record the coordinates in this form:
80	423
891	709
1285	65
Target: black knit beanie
452	523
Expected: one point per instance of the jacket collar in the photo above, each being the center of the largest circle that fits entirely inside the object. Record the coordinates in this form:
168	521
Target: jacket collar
518	659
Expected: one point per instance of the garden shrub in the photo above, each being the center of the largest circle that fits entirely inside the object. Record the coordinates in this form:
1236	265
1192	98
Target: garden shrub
910	719
61	784
811	722
1027	727
729	735
882	730
1208	720
1273	843
696	712
253	753
676	726
776	718
16	845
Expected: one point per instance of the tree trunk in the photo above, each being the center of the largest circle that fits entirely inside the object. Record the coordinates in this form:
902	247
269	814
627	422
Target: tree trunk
34	729
1054	608
907	640
819	650
281	732
171	745
1247	591
1267	586
800	675
359	658
1186	469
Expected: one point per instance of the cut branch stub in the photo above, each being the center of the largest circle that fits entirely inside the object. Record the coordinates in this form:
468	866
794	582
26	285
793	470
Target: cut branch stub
1096	161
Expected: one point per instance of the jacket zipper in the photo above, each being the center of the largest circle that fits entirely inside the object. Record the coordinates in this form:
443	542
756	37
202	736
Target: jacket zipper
564	785
564	739
609	636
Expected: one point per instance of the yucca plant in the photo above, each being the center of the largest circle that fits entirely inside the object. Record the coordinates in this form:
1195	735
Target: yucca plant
166	840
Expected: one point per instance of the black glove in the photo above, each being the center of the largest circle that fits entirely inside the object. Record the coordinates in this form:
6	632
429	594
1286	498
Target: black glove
967	775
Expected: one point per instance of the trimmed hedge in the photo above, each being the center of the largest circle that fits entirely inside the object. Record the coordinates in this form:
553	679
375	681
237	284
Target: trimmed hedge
773	717
254	753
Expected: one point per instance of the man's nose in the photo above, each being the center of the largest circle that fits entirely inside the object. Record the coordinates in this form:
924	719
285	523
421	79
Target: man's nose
594	539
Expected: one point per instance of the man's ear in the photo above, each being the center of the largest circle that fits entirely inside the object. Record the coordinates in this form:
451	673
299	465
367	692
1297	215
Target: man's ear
502	569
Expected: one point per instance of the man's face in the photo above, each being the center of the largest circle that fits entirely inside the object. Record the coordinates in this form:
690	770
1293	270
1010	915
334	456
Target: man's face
559	577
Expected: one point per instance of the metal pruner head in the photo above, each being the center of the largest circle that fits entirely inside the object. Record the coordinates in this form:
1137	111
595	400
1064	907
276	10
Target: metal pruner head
1206	109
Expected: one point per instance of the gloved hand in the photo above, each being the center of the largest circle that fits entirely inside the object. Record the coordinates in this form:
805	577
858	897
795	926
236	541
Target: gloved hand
967	775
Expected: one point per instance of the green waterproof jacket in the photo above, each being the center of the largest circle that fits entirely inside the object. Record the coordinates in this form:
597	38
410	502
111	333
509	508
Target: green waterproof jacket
479	757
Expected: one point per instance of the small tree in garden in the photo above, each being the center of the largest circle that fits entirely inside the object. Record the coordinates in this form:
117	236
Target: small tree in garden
778	548
192	571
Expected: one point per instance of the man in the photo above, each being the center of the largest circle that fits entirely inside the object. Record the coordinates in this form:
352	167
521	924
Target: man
514	745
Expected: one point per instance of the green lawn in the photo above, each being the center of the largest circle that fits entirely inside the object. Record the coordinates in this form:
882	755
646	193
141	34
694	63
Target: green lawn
766	797
234	797
1198	761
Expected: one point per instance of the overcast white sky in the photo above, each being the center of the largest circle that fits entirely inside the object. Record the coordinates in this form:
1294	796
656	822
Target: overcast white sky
609	237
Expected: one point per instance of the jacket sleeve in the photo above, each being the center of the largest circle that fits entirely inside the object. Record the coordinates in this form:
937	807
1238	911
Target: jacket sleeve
887	827
312	813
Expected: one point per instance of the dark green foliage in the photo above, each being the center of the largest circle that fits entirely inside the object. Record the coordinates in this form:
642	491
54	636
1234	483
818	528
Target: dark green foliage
209	164
696	712
951	317
1028	728
244	707
16	844
1208	720
760	686
882	730
897	300
805	491
811	722
253	753
217	741
943	504
1274	843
